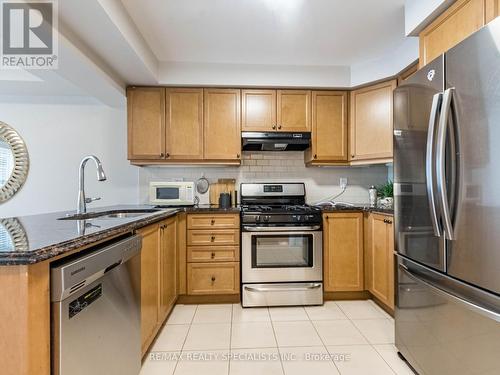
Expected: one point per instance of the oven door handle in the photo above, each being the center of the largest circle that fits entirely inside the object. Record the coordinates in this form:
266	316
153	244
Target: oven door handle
280	229
282	288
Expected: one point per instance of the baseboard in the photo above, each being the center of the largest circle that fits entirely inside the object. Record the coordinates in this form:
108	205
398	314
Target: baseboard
382	305
222	298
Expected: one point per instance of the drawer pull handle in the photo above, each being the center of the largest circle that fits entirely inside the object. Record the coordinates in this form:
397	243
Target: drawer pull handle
212	222
212	238
213	279
213	255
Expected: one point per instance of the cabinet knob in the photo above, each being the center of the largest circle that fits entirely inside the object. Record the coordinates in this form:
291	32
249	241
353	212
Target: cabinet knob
315	156
167	155
212	238
352	156
162	155
274	126
213	278
212	222
279	126
213	255
237	156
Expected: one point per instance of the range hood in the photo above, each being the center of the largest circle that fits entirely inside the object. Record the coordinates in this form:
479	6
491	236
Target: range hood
275	141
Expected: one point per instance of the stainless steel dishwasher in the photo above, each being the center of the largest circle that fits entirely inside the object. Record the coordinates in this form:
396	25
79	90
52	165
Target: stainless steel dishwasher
96	312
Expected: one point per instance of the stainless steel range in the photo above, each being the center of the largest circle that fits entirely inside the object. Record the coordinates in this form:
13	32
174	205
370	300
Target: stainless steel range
281	246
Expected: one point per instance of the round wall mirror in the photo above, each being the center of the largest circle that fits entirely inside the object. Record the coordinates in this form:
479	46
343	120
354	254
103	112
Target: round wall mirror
14	162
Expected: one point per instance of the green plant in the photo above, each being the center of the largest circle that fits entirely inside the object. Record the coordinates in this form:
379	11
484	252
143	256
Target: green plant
385	190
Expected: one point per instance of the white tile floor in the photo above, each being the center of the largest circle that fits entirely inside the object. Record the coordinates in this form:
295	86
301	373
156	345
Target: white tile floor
342	337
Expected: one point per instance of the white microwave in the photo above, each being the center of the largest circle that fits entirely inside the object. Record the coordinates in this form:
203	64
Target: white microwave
171	193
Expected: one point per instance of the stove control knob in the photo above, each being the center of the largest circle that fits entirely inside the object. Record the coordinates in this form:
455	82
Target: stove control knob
257	218
298	218
266	218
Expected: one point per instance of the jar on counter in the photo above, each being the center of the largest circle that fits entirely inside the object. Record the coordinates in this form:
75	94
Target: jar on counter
372	192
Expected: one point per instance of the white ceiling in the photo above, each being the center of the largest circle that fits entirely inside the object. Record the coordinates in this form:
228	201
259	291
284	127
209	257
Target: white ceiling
283	32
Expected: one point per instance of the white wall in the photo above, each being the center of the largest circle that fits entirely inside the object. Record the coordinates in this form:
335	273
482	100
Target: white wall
419	13
321	182
58	136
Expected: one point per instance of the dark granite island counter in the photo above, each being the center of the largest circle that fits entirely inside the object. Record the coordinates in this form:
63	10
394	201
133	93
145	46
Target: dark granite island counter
28	245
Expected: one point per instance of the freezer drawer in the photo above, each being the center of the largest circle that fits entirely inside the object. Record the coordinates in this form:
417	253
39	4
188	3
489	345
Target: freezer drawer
439	333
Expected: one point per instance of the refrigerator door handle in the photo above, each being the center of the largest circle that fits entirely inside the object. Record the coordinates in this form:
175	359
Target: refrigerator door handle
444	122
467	304
430	163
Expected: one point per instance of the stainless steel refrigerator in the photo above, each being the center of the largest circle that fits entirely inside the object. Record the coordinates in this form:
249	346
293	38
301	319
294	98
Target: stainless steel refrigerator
447	210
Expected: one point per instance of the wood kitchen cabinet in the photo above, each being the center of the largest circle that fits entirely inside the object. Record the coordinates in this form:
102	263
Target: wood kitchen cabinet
213	266
168	267
184	124
329	128
293	110
371	123
276	110
158	270
459	21
258	110
150	283
146	122
380	258
222	124
343	252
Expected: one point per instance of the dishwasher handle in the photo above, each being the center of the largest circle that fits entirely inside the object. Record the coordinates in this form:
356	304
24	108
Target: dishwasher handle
70	276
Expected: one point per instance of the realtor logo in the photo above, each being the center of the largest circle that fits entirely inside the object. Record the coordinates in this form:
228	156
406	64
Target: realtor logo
29	34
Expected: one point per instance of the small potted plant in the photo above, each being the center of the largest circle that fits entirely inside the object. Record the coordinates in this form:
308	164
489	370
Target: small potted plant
385	195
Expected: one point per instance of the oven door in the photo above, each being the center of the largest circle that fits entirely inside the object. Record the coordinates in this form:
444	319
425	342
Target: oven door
281	254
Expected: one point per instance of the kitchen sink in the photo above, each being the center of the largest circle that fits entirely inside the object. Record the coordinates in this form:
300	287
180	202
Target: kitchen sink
114	214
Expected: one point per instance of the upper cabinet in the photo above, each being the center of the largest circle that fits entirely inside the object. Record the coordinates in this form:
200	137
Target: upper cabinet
146	122
222	140
258	108
329	128
293	110
276	110
184	124
371	123
459	21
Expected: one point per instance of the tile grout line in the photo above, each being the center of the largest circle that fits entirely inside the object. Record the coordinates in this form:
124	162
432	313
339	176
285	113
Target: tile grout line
366	338
321	339
230	339
185	339
276	339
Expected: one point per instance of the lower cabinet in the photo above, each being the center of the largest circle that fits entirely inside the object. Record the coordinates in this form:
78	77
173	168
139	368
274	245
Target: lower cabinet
213	278
380	258
343	252
213	254
158	277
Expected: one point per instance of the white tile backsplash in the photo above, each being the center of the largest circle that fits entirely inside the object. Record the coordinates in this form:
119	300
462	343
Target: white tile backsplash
321	182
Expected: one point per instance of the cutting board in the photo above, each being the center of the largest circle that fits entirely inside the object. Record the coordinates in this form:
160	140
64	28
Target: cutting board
223	185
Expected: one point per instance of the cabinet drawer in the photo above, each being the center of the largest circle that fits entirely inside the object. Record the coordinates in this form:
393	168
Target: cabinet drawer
213	253
213	237
216	221
213	278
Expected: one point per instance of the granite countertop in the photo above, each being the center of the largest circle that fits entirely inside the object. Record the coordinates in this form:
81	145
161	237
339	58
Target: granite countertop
35	238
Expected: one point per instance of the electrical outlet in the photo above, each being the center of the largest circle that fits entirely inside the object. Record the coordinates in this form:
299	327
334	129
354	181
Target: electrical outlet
343	182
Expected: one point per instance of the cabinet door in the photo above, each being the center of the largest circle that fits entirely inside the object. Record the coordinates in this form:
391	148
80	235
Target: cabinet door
343	252
329	126
492	9
146	122
222	124
184	124
213	278
294	110
382	259
371	122
258	108
458	22
149	283
168	271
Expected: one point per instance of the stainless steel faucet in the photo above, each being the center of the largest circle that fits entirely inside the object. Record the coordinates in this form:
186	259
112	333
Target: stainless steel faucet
101	176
